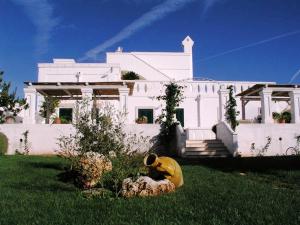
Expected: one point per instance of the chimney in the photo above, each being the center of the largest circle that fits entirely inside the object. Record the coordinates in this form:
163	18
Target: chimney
188	45
119	49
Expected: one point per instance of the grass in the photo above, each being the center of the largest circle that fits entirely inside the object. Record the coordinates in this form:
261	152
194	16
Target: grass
31	193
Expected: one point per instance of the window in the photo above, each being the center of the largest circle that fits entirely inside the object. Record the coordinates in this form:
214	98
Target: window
66	114
145	113
180	116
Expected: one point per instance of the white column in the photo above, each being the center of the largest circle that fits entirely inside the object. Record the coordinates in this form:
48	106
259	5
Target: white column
295	106
223	97
266	105
123	99
30	95
199	109
87	94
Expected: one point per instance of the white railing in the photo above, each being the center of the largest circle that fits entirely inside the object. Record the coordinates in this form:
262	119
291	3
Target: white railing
228	137
180	140
200	134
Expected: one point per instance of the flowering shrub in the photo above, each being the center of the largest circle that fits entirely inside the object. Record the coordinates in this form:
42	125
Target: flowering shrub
100	145
91	166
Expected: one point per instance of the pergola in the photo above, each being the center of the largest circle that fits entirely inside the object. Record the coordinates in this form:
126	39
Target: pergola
75	91
266	93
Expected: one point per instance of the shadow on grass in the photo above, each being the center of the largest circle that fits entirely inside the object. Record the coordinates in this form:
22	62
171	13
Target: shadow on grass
43	187
254	164
47	165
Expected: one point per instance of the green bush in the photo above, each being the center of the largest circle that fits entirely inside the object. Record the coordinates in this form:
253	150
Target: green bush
103	132
130	76
124	166
3	144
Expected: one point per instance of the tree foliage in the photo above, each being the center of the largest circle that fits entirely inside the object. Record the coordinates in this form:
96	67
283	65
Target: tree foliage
10	104
130	76
173	97
48	107
231	112
104	133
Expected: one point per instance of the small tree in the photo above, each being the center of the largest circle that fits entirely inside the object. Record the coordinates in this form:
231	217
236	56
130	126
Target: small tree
10	104
231	112
173	97
48	107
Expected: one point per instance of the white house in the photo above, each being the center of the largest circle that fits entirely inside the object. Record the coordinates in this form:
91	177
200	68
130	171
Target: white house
202	108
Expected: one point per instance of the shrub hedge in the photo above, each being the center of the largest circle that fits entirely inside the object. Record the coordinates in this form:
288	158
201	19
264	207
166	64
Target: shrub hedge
3	144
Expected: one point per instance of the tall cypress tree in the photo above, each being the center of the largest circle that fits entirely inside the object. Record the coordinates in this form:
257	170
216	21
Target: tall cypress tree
231	112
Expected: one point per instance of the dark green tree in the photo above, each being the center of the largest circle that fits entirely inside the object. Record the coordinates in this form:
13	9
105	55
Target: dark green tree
48	107
130	76
10	104
231	112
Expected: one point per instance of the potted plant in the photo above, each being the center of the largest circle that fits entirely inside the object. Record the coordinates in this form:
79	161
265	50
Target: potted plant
142	120
57	120
258	119
276	117
283	117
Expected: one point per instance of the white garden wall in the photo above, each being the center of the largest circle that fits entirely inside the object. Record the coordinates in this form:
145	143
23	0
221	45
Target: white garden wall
241	141
283	136
43	138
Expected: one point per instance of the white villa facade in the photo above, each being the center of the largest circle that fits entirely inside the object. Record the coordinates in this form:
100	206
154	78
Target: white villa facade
67	79
202	108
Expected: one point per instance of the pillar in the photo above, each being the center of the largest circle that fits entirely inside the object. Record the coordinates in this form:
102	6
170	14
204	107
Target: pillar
244	103
295	106
223	97
199	108
30	95
123	99
87	94
266	105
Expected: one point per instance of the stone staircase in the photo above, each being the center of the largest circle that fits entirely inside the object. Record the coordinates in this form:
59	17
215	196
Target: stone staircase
205	148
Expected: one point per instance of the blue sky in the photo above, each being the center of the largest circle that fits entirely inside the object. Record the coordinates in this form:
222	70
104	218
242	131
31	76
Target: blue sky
255	40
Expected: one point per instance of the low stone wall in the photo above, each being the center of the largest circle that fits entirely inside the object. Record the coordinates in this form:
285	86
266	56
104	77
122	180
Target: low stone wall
43	138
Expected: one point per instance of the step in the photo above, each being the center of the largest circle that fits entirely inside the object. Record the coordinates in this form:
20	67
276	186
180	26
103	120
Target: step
194	149
207	152
205	156
205	149
189	144
205	141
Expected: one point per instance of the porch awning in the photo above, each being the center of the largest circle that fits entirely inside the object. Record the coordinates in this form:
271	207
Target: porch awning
279	91
73	90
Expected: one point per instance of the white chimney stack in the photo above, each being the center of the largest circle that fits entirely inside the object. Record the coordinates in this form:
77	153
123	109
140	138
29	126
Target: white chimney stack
119	49
188	45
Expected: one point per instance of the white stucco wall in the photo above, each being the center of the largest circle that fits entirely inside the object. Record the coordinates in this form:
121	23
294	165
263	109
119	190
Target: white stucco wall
43	138
173	64
258	133
204	116
66	71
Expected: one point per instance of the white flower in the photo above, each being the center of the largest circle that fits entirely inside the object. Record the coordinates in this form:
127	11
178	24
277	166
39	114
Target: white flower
112	154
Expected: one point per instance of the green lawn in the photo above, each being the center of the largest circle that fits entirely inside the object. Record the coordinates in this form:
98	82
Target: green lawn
31	193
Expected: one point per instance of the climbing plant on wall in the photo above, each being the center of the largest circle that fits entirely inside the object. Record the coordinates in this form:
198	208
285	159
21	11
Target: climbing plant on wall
231	112
10	104
173	97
